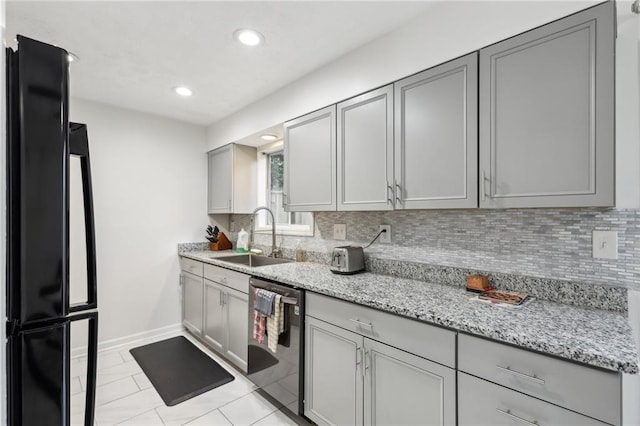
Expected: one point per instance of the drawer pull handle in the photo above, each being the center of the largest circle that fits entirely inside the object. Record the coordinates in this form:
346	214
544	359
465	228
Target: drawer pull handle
520	375
362	324
516	418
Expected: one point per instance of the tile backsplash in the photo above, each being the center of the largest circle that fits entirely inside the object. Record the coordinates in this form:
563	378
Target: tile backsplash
544	243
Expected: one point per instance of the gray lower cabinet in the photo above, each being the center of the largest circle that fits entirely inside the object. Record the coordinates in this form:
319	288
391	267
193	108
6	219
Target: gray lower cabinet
405	389
215	308
484	403
214	332
192	286
547	115
436	137
333	374
592	392
310	162
354	380
365	151
226	321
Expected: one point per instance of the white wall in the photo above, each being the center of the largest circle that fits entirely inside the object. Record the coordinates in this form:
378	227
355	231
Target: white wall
149	186
440	34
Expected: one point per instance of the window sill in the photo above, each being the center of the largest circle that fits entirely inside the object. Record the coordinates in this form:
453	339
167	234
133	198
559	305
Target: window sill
301	231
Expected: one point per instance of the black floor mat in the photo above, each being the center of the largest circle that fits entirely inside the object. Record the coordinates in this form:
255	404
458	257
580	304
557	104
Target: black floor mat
178	370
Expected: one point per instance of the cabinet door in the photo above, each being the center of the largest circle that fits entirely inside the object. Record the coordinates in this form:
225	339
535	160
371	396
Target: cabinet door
365	151
333	374
192	302
484	403
236	306
220	182
215	319
547	115
310	162
404	389
436	137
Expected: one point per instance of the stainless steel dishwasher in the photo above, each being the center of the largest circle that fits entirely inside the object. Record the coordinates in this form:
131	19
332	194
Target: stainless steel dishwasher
279	374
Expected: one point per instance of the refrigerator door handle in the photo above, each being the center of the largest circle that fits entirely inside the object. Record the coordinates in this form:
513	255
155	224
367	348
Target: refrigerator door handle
79	146
92	366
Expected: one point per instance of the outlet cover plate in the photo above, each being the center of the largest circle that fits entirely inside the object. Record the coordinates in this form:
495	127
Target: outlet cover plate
605	244
385	237
340	231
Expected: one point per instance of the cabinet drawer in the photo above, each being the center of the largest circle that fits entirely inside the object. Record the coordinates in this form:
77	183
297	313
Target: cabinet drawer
427	341
192	266
594	392
233	279
484	403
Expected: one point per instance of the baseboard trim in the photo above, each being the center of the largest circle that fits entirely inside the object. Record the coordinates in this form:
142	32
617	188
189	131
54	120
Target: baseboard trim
133	339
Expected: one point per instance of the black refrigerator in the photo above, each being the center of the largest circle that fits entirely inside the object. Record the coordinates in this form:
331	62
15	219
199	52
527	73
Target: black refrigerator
40	145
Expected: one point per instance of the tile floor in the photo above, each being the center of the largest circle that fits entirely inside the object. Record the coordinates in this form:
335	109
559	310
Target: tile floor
124	396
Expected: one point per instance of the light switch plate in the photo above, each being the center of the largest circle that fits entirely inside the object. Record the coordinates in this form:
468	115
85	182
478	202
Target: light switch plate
339	231
605	244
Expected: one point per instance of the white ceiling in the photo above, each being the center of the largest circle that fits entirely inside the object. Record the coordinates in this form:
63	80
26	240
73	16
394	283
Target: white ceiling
133	53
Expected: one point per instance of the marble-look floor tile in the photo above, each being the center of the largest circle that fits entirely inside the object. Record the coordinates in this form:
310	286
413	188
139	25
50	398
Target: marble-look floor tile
76	387
115	390
116	372
277	418
77	409
126	355
149	418
142	381
108	360
128	407
280	393
213	418
202	404
248	409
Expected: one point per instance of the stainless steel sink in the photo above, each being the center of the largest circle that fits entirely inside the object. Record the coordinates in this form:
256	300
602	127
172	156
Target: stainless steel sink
252	260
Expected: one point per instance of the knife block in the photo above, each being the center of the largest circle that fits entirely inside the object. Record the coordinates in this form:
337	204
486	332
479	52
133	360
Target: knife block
222	244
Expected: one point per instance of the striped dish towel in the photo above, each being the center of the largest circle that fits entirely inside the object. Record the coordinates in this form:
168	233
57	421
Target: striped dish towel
275	324
259	322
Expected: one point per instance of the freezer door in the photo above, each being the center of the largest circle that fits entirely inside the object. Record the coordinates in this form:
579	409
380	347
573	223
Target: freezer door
37	155
38	379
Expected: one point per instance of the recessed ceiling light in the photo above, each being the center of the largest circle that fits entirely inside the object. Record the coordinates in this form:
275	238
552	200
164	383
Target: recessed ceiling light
269	137
183	91
248	37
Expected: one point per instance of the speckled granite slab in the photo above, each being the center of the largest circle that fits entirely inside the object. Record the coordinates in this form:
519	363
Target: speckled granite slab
576	293
595	337
566	292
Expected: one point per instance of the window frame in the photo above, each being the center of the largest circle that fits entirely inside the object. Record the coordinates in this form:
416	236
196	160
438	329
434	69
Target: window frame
261	226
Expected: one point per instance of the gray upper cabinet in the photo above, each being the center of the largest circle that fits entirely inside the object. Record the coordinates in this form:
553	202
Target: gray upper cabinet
232	179
365	151
547	115
310	162
436	137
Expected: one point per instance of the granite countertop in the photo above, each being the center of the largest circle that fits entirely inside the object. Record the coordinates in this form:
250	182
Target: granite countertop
594	337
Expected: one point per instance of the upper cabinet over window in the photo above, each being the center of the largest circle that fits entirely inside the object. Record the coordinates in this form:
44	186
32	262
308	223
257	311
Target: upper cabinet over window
436	137
232	179
547	115
310	162
365	151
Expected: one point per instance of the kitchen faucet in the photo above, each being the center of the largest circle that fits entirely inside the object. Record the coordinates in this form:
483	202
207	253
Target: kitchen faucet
274	251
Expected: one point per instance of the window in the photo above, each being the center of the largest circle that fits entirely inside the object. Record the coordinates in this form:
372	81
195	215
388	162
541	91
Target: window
271	178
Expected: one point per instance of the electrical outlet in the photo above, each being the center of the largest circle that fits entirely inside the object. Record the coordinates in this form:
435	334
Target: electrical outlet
385	237
605	244
339	231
